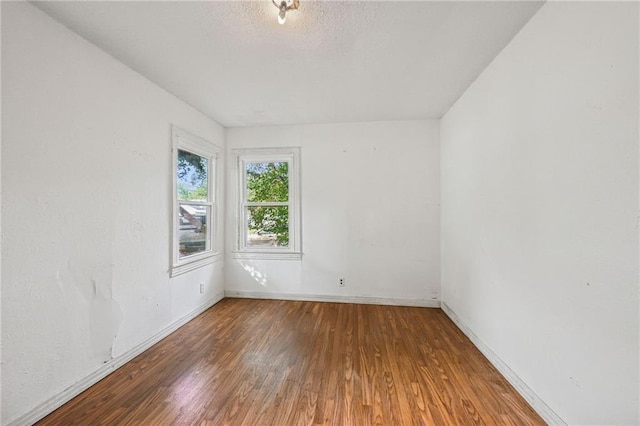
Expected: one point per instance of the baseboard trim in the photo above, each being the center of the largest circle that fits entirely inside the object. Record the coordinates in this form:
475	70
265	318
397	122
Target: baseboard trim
363	300
547	414
48	406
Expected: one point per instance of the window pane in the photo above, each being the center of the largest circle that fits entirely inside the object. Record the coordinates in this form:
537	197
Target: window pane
192	176
268	227
193	223
267	182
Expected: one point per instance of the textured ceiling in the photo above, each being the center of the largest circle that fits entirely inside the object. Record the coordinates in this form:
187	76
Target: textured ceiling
332	61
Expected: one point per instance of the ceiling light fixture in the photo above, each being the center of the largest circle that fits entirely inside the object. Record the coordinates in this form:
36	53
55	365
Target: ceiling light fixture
284	7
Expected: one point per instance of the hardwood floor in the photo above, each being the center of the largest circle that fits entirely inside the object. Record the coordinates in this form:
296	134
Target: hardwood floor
269	362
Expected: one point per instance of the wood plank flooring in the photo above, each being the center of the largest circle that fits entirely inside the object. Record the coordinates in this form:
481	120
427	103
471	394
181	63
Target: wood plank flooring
269	362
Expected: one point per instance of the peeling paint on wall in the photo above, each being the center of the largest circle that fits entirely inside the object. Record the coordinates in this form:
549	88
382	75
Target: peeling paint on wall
94	286
106	319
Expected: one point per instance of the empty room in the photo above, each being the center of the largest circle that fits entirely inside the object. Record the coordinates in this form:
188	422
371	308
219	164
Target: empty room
305	212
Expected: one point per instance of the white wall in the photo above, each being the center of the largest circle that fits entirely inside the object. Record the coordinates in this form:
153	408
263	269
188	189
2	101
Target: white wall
1	97
86	210
370	213
539	209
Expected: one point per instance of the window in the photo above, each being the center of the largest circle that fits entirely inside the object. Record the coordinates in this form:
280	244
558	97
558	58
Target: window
268	210
195	206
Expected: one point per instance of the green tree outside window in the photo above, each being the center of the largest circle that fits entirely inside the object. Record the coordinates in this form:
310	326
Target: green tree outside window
269	183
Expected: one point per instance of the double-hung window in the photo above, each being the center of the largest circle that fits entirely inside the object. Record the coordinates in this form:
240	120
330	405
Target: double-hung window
195	242
268	210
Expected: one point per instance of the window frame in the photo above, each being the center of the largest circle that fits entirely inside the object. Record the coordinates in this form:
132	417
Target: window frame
241	157
186	141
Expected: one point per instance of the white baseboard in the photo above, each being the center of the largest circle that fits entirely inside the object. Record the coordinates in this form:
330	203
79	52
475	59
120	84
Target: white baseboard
547	414
109	367
424	303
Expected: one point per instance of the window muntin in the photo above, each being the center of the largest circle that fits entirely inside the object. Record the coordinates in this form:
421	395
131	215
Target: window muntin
195	207
268	208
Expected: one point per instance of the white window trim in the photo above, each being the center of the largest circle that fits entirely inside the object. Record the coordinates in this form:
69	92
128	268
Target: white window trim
240	158
184	140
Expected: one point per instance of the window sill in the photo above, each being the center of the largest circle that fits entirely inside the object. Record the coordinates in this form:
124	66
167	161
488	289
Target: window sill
261	255
194	264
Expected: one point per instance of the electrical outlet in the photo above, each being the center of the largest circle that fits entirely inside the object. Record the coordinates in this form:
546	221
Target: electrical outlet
201	288
341	283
